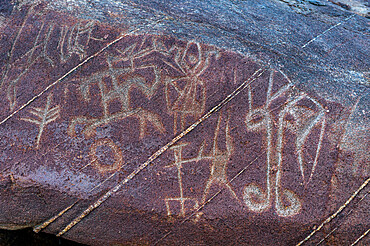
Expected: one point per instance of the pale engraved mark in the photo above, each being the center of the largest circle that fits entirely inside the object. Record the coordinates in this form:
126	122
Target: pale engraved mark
10	55
328	30
260	119
191	98
123	81
12	84
43	116
75	45
220	159
304	121
293	200
330	218
257	127
112	191
196	212
120	37
201	206
118	162
218	168
350	115
344	216
179	161
72	40
185	104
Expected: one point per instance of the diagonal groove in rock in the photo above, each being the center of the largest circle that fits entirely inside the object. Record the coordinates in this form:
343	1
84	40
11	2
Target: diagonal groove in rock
350	115
343	219
120	37
328	30
330	218
360	238
201	206
276	159
112	191
229	33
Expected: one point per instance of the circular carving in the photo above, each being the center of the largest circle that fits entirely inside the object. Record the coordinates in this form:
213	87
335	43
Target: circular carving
116	153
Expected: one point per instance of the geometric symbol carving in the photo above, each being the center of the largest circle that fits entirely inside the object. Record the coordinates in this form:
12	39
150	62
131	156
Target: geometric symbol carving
123	80
43	116
218	168
300	121
178	163
188	95
117	164
72	40
32	60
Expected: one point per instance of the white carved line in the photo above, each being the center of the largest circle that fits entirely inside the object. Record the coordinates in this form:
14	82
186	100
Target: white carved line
44	116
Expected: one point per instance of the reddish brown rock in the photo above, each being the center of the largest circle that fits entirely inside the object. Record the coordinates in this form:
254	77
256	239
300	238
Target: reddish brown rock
115	136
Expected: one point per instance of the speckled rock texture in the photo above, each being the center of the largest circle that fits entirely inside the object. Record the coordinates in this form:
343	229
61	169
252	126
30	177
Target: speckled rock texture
186	123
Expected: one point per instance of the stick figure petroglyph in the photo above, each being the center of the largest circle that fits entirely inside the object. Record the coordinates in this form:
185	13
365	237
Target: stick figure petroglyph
190	88
75	40
219	160
218	167
189	101
35	54
179	161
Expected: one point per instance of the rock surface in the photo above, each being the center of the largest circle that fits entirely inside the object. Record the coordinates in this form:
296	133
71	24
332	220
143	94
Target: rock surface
158	122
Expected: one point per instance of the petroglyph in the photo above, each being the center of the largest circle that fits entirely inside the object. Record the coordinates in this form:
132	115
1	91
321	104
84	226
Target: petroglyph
190	90
116	154
11	53
219	160
43	116
32	57
218	168
48	43
189	100
179	161
75	40
191	94
301	122
138	67
123	80
269	155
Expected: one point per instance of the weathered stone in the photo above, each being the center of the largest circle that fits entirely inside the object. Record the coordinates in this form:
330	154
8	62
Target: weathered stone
185	123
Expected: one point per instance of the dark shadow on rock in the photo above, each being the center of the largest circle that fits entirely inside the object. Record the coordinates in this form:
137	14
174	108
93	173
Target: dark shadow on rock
28	237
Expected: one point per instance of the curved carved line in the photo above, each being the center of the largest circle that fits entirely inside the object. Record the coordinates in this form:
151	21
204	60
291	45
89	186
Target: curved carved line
120	37
118	163
255	199
112	191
